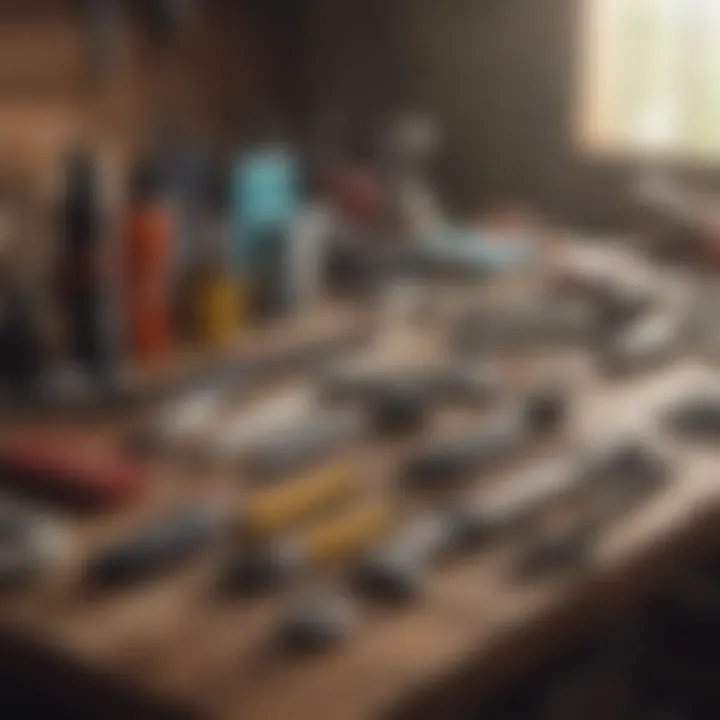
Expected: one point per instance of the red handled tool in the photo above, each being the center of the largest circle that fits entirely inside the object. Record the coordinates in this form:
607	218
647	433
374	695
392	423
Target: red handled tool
70	469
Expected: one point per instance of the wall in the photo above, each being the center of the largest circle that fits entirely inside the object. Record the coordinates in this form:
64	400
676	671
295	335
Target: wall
501	76
52	94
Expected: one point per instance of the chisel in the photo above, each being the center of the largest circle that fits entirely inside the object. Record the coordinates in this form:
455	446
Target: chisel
497	439
338	538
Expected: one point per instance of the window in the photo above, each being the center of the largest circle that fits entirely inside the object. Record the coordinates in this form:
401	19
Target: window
651	77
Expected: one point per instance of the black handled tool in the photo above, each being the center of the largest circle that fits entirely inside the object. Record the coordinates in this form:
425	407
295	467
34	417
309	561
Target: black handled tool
401	401
165	544
495	440
696	415
397	570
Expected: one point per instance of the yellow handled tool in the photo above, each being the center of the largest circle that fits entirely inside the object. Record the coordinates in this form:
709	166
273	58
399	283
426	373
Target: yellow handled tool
342	536
282	506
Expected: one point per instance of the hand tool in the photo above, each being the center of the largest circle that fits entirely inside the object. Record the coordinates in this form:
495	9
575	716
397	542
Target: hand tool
696	415
165	544
306	442
496	439
69	469
645	344
572	547
279	507
177	420
554	322
454	382
340	537
402	401
247	428
397	570
317	622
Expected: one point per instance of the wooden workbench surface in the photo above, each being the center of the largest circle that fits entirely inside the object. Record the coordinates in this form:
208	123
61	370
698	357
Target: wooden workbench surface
176	643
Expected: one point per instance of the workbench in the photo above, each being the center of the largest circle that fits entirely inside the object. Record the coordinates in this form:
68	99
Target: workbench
174	648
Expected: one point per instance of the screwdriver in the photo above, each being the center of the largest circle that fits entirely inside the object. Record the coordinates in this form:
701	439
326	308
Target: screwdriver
340	537
281	506
495	440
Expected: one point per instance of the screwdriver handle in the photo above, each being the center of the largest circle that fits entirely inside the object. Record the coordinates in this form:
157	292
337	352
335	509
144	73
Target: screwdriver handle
282	506
346	534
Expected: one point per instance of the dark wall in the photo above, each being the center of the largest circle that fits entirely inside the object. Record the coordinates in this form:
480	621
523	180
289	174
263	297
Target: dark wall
502	78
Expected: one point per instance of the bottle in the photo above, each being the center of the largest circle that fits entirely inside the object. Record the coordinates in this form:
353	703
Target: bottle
84	285
216	299
146	267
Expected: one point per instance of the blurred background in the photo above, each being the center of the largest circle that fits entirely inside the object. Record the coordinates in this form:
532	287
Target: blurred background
267	262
